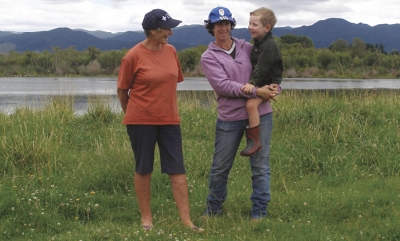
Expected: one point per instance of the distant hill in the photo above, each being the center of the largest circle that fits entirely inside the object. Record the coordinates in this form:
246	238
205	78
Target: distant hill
99	33
60	37
323	33
4	33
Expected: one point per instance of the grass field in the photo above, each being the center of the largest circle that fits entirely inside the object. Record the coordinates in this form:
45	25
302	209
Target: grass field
335	161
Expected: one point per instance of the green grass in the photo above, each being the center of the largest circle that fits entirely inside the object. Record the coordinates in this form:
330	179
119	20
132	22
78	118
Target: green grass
334	159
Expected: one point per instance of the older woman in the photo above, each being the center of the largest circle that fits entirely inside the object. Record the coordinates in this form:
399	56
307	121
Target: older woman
147	83
226	64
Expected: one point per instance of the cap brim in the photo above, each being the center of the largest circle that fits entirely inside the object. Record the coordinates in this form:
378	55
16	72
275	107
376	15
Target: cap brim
172	23
214	20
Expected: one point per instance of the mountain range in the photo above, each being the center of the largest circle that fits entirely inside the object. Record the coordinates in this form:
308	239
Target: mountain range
323	33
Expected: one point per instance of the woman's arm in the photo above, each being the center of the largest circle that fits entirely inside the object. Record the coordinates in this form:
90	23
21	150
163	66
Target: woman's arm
123	95
219	79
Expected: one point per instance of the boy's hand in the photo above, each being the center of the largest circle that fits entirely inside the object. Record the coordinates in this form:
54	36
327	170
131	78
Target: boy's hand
247	88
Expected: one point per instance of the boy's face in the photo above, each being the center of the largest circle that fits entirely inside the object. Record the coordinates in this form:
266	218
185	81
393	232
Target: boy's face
256	28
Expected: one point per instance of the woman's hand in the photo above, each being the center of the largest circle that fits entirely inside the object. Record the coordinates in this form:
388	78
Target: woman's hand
268	92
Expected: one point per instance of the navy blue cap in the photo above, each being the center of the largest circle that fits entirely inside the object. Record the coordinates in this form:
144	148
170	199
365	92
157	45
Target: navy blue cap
158	18
220	14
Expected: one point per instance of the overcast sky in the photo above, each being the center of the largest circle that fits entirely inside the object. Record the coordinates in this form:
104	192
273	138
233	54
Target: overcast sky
127	15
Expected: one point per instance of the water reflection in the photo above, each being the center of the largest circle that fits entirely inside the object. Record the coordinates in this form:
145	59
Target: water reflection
333	84
20	92
81	103
107	85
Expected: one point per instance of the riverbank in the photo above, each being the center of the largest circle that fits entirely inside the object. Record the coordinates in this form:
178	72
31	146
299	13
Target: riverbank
334	160
33	92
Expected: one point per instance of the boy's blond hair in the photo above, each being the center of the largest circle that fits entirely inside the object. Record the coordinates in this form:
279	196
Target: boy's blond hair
267	16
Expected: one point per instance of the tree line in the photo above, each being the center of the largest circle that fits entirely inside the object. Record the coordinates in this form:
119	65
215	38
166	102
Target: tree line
301	59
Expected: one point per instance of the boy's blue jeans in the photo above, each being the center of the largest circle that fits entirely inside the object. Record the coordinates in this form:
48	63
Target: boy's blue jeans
228	136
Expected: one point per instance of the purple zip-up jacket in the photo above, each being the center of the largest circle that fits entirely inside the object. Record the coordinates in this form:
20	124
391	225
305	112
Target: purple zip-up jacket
226	76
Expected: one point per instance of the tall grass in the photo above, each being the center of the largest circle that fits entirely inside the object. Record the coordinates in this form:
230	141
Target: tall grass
334	159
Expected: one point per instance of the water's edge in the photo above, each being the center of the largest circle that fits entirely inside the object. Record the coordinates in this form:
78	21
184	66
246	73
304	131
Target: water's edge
20	92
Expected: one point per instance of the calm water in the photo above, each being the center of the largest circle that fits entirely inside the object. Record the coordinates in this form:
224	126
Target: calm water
34	92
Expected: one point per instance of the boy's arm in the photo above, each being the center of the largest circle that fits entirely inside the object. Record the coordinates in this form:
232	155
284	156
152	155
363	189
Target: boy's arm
247	88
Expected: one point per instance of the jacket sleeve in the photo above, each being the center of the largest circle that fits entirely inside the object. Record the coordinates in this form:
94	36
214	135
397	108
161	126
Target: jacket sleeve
126	74
269	65
219	80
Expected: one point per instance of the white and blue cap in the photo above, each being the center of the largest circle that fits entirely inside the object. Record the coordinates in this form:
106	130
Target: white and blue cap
220	14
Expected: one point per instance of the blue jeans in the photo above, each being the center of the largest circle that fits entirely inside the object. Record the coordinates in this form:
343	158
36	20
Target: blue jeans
228	136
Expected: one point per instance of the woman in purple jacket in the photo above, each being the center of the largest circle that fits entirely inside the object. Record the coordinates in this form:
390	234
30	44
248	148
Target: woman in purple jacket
226	64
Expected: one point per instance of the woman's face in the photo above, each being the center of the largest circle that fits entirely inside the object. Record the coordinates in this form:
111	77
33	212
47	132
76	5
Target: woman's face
161	35
222	30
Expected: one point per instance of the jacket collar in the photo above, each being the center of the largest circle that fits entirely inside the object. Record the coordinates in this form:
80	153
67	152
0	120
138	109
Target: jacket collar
238	42
256	41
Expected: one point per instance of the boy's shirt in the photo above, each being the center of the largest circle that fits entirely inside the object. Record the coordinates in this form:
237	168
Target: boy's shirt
266	60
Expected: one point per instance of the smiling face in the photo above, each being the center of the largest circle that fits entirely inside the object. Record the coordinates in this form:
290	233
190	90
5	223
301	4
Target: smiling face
256	28
222	30
161	35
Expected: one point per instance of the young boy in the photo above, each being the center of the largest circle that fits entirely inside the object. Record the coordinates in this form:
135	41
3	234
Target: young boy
266	60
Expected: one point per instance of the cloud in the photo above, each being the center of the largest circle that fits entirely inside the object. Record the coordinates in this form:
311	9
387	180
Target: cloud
127	15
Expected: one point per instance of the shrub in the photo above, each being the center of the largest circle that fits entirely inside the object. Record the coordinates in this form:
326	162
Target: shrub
93	68
291	73
310	72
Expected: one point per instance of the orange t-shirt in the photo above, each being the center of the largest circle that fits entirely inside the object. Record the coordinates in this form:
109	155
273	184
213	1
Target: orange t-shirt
152	95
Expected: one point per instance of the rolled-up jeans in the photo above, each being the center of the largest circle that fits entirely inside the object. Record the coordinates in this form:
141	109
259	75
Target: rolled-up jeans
228	136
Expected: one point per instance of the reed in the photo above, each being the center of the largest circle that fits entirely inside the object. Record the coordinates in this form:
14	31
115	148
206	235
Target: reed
334	160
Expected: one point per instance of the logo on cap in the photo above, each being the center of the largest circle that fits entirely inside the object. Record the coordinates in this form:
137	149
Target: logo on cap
164	18
158	18
221	12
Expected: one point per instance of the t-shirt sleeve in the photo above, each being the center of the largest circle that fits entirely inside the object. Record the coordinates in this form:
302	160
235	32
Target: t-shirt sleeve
125	74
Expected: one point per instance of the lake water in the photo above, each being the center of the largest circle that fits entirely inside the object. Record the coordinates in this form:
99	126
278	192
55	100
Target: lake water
33	92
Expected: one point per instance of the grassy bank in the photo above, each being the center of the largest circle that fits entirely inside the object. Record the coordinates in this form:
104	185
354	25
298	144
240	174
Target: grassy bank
334	158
